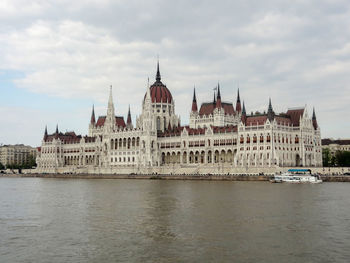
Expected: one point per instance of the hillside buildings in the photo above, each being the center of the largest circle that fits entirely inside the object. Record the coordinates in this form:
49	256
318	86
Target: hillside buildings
220	133
336	145
18	154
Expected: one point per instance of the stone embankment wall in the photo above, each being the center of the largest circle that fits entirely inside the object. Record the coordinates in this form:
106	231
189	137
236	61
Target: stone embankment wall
188	170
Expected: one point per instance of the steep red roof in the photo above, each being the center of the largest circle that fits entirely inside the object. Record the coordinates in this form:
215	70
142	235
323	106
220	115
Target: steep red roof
283	120
295	116
224	129
68	137
208	108
255	120
119	121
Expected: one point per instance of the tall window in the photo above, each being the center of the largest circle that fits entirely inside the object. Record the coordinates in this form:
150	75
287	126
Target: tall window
158	123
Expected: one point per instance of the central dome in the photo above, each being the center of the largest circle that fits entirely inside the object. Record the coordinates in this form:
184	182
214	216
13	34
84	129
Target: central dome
159	92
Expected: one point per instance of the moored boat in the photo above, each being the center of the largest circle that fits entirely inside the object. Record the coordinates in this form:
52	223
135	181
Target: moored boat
296	176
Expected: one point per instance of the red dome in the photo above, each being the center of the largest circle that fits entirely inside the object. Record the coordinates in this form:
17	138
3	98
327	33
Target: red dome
160	93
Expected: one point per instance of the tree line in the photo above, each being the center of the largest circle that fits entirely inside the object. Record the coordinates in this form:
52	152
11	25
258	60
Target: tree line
340	158
27	165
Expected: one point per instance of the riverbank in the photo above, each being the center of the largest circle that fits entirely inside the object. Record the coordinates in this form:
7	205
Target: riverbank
207	177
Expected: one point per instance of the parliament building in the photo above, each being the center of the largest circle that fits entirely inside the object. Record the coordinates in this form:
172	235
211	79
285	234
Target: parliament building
220	138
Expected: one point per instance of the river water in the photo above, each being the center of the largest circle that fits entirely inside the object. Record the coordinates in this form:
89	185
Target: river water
106	220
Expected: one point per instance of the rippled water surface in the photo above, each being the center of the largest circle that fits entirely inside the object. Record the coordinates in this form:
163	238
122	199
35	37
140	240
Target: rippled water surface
72	220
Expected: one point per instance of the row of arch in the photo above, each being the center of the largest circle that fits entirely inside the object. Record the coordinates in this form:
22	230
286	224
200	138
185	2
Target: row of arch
200	157
81	160
125	143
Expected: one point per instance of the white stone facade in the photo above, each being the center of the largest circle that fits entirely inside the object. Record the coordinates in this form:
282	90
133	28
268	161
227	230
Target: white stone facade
217	134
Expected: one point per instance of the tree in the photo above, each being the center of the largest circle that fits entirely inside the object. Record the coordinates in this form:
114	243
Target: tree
326	157
2	167
342	158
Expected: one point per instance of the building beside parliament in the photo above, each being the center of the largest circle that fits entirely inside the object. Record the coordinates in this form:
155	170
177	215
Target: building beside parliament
219	134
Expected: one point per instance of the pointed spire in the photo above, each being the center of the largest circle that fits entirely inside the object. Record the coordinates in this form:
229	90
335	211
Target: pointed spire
244	114
93	120
110	99
194	101
238	103
214	101
57	132
313	114
158	78
270	112
314	120
129	117
45	134
218	100
110	118
219	95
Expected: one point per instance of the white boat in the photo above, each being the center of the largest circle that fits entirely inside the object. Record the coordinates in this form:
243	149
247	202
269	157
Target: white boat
296	176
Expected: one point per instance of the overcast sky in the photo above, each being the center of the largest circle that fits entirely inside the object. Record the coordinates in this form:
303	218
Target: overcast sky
57	58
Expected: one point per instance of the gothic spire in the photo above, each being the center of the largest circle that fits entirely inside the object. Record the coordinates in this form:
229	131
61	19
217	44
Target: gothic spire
194	101
129	117
313	114
244	114
110	118
158	78
270	112
218	100
219	95
238	103
214	101
45	134
93	120
314	120
56	133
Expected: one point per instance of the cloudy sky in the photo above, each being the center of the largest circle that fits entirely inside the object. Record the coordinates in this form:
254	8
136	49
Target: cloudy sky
58	57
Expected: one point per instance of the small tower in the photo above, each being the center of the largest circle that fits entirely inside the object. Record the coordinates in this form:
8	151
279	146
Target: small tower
314	120
270	112
238	102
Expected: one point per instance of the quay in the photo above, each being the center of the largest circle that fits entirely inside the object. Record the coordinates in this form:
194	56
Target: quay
205	177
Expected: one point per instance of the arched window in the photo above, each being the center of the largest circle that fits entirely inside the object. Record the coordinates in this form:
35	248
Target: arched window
158	123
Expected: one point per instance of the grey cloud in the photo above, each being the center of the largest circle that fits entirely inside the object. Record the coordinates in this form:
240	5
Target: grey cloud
295	52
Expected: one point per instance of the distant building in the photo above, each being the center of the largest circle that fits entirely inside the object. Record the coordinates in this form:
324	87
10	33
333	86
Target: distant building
218	134
18	154
336	145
